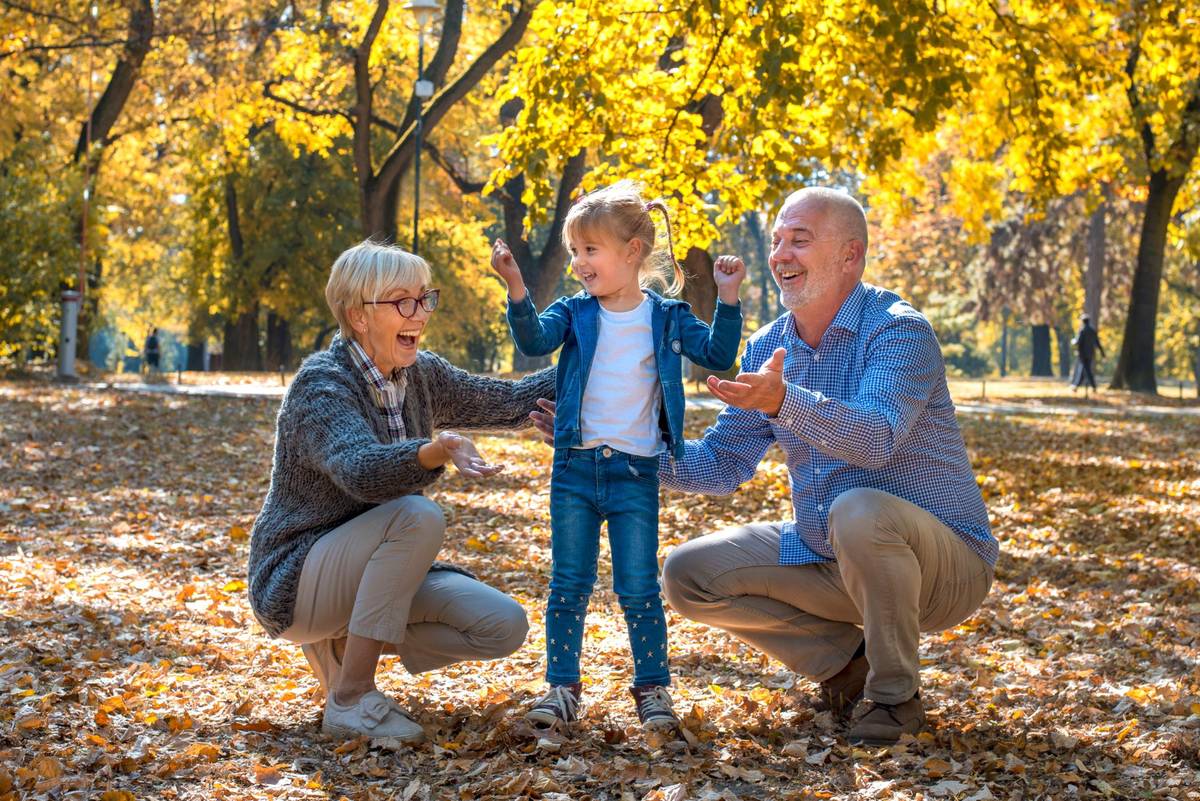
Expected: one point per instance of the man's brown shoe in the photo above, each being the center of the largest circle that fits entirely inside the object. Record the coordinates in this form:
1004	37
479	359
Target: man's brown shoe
882	724
840	692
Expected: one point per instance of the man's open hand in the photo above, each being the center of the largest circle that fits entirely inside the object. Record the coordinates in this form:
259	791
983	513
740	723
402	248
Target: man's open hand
763	390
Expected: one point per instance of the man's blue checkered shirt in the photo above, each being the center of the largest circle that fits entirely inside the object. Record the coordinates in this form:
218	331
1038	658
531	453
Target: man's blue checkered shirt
868	407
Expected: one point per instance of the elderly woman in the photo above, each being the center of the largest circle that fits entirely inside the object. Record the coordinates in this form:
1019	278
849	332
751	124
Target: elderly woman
342	556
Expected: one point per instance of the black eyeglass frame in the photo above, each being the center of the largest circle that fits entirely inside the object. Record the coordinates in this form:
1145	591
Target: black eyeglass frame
428	300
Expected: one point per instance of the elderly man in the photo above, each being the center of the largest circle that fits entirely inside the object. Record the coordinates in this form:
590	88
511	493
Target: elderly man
890	536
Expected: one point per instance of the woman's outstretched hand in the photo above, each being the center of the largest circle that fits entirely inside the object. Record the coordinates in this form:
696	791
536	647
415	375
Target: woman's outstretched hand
466	458
543	421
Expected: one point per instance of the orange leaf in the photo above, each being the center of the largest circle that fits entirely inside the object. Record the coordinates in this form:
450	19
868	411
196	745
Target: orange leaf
206	751
47	767
267	774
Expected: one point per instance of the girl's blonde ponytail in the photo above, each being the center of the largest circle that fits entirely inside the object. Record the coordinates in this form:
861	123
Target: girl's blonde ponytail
676	285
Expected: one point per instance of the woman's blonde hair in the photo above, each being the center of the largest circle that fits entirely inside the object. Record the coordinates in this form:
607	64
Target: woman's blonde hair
368	271
620	212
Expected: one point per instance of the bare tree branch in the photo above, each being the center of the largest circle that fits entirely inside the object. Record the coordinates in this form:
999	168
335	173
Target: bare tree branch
303	109
98	126
363	97
444	100
38	12
1135	101
464	184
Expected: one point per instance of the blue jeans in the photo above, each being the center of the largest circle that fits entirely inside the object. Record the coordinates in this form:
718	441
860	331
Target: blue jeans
589	487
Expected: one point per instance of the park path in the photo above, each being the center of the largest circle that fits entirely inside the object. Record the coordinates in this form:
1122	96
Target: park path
964	407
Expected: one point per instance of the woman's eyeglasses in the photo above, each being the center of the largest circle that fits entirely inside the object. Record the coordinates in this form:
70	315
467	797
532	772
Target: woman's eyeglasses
408	306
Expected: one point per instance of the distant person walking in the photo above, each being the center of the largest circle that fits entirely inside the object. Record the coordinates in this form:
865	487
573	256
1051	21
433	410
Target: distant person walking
1086	342
151	351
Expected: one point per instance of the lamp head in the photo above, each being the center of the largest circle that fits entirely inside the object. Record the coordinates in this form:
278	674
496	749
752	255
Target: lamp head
424	11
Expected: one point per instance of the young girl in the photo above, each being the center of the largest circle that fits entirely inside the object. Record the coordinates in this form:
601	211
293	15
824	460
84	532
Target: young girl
620	407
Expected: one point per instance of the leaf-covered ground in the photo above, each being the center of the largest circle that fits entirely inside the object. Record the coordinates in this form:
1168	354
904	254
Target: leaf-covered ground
130	666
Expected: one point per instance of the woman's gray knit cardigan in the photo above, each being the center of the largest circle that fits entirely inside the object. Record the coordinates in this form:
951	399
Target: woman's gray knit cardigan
334	460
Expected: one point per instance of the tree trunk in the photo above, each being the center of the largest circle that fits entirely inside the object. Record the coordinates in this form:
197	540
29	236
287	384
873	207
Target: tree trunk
279	343
1196	369
194	360
240	350
1093	283
233	222
1062	334
1004	345
241	342
1040	337
700	290
319	339
196	339
765	281
479	353
541	275
94	136
381	210
1135	365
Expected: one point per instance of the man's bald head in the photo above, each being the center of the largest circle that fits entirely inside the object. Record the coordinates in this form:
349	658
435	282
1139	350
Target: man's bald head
843	215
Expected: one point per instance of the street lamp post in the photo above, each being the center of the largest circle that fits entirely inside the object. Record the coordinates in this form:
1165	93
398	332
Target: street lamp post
423	10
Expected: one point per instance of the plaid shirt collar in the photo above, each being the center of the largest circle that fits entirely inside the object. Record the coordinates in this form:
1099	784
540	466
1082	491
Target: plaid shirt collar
388	395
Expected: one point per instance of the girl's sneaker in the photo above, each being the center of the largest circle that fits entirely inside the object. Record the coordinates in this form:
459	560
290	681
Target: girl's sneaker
558	707
654	708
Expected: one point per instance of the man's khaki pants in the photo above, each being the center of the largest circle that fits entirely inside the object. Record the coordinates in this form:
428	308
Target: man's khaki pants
899	571
370	577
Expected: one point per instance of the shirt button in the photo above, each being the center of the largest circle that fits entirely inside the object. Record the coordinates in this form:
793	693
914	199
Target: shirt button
820	507
676	346
816	357
607	452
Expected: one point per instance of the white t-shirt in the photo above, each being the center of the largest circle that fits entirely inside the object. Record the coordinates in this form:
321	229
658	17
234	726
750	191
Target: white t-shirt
622	399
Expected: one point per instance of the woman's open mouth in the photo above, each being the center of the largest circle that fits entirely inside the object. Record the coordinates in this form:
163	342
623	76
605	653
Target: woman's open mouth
409	339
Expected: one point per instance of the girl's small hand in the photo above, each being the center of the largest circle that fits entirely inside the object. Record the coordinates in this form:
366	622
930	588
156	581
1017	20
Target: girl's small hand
543	421
465	457
728	272
506	267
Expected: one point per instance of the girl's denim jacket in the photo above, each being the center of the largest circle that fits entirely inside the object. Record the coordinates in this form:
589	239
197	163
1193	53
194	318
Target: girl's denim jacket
574	323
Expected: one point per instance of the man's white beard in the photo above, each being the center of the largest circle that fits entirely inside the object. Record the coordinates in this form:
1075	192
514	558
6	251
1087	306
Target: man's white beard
797	298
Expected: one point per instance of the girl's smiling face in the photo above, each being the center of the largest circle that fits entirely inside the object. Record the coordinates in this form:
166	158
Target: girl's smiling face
607	268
